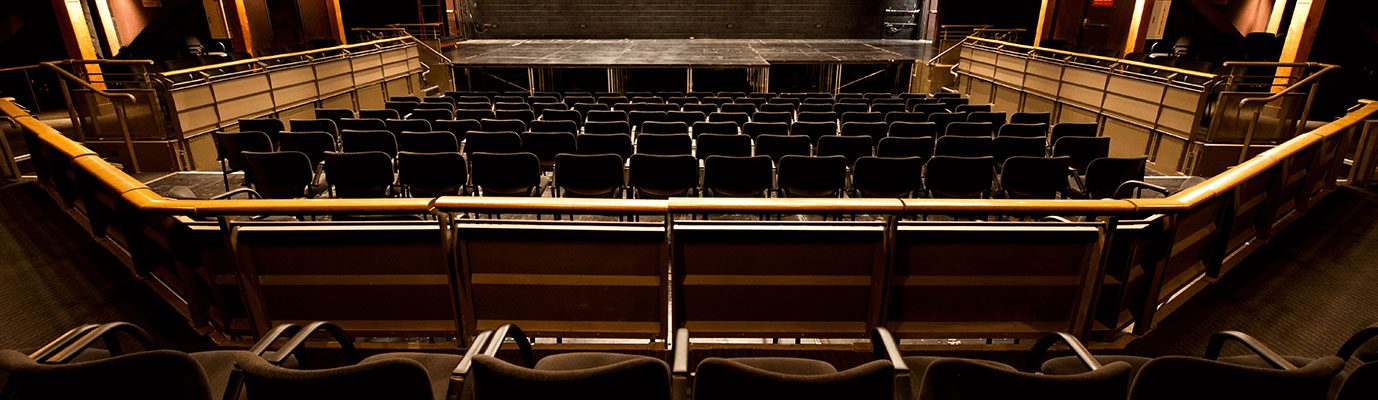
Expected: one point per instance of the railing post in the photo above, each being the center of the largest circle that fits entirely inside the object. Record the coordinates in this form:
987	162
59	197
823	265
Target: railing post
1361	174
123	118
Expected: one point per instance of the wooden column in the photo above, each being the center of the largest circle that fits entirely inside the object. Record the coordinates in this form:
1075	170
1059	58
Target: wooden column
76	35
332	10
1138	26
1045	20
237	21
1306	17
1275	18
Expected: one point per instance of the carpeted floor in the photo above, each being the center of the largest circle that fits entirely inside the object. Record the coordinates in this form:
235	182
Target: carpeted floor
1303	295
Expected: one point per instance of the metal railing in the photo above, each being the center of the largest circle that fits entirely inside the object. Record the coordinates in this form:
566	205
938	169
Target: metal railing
118	99
1310	74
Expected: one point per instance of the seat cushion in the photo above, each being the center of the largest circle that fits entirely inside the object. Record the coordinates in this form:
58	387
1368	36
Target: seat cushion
218	365
1071	365
790	366
918	366
578	361
439	368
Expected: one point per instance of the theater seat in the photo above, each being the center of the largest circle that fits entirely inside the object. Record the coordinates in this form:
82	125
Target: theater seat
784	378
589	375
974	379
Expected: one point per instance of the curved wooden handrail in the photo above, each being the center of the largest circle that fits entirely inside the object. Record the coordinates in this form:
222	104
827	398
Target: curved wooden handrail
1096	57
1325	68
193	70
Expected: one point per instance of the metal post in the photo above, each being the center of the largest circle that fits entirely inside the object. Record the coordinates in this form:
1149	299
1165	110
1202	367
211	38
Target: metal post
128	141
37	106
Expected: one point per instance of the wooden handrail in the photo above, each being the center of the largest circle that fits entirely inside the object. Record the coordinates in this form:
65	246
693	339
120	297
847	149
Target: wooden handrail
1096	57
277	56
1325	68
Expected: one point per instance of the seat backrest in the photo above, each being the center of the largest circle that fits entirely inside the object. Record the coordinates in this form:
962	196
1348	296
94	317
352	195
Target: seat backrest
737	176
772	106
887	177
921	147
913	129
823	176
813	130
229	146
849	147
768	116
845	107
359	175
637	118
1065	129
728	379
704	108
365	141
812	116
755	129
272	127
637	378
1170	377
929	108
280	174
1036	130
887	108
1031	118
956	378
973	108
897	116
942	119
1034	177
565	279
585	108
1105	175
151	375
745	108
608	127
804	279
965	146
523	116
565	126
667	144
362	124
710	144
314	125
506	174
589	175
402	107
985	129
1014	146
313	144
460	128
547	145
719	127
858	116
561	115
431	115
492	142
1082	150
952	279
659	127
370	278
662	176
334	114
502	125
777	146
432	174
875	130
380	114
428	142
617	143
477	115
606	116
959	177
400	379
687	117
738	118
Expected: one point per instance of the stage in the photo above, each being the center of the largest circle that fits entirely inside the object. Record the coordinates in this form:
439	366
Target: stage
716	64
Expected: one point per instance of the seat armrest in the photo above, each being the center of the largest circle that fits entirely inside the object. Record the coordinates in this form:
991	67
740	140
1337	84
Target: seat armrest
462	370
298	341
513	331
1218	340
1120	192
1352	345
1036	354
61	342
680	363
107	332
261	347
885	347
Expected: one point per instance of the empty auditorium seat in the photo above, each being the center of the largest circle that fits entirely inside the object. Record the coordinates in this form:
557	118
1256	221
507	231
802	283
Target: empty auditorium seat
959	177
431	174
703	108
739	118
664	144
477	115
943	119
588	175
1009	146
1031	118
591	143
367	141
962	128
547	145
380	114
272	127
562	115
1034	177
965	146
862	117
976	379
809	116
777	146
312	144
813	130
637	118
1082	150
844	108
362	124
460	128
874	130
1065	129
334	114
229	149
314	125
654	176
686	116
359	175
1106	178
737	176
755	129
765	116
711	144
506	174
397	126
822	176
887	177
849	147
972	108
283	174
659	127
1038	130
502	125
744	108
430	115
586	375
893	117
565	126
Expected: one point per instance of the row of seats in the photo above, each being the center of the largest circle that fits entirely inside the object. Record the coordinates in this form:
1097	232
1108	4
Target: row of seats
429	164
57	372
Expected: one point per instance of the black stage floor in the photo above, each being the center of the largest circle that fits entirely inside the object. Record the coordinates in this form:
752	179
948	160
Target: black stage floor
718	53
